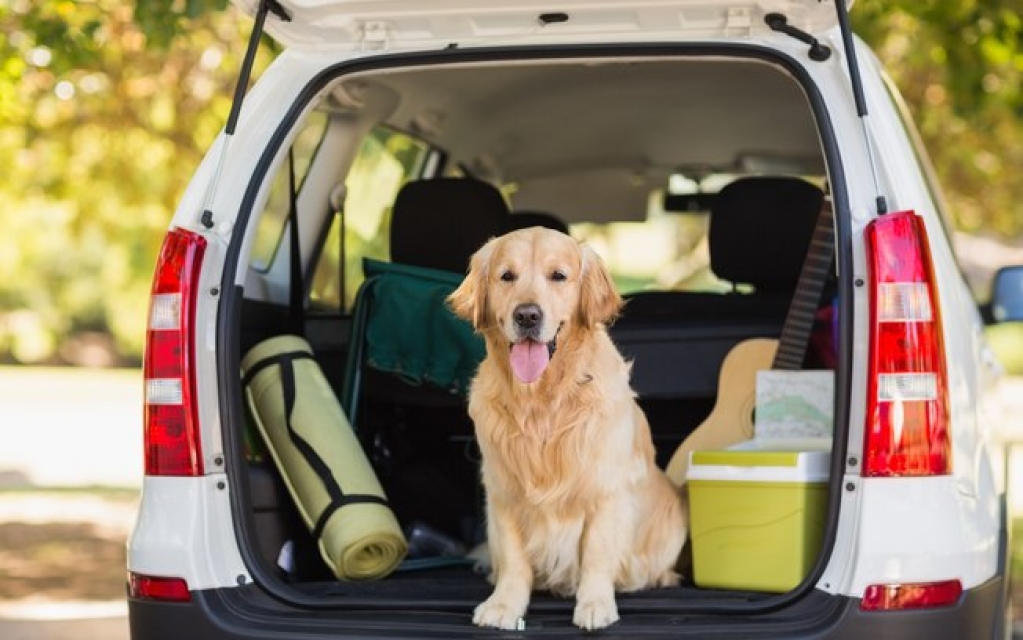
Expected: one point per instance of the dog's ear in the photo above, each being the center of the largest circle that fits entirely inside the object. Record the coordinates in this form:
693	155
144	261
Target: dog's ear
599	301
469	300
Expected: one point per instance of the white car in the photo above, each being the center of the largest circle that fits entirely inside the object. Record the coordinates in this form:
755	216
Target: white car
751	179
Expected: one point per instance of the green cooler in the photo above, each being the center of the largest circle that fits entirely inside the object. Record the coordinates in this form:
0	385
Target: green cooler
756	517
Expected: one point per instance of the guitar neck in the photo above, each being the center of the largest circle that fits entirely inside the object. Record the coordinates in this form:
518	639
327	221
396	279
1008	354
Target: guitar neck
795	333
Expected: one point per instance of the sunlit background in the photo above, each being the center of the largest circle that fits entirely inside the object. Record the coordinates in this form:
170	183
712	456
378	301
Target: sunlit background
106	109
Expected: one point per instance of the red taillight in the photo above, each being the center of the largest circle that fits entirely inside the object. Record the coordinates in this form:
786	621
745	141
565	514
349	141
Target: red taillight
907	401
923	595
153	588
171	415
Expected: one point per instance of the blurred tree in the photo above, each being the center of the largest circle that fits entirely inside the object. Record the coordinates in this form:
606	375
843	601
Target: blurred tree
959	64
101	124
107	106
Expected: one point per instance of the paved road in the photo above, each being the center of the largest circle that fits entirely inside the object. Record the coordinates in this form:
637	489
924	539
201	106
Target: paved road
81	629
70	427
64	621
36	618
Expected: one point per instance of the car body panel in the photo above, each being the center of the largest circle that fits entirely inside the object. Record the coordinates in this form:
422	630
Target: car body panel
909	533
400	24
184	530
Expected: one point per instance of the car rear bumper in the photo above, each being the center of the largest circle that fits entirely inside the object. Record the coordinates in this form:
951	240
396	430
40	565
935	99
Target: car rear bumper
246	613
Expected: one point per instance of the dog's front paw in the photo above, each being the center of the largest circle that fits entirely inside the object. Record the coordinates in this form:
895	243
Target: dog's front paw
494	612
595	614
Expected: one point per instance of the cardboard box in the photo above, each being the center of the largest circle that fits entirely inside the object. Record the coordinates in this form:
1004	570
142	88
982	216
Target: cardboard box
756	517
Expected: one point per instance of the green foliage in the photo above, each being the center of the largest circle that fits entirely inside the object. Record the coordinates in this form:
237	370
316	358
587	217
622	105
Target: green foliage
959	64
107	106
105	111
164	20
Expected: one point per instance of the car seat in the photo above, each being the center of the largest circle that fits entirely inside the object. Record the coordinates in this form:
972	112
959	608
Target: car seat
760	230
526	219
411	359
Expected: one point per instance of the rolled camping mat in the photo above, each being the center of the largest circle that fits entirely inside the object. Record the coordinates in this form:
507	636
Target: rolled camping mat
325	470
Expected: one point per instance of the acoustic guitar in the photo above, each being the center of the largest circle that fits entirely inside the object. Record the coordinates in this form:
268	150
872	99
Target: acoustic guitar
731	420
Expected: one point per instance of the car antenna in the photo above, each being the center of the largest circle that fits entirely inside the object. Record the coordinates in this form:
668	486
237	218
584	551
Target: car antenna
265	6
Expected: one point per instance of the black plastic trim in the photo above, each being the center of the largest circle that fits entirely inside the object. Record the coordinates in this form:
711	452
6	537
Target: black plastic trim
248	613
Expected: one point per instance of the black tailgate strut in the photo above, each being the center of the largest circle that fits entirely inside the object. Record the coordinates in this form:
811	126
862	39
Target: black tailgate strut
857	89
265	6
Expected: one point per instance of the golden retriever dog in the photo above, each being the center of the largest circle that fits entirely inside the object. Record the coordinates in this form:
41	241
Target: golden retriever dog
575	501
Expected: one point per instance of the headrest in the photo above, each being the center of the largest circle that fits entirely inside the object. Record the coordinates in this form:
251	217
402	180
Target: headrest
440	223
526	219
760	230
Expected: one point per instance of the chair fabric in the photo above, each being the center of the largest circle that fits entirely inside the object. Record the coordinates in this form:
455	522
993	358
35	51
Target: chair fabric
411	333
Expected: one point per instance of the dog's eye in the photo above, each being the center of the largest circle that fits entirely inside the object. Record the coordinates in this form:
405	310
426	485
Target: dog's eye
508	276
558	275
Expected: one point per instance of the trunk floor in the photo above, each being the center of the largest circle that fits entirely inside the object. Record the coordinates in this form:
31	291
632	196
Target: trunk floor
462	585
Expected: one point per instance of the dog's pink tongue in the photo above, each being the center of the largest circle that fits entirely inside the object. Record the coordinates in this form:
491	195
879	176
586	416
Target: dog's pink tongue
529	359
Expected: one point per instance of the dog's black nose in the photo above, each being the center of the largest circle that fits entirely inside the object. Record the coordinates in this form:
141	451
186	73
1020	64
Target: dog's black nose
527	316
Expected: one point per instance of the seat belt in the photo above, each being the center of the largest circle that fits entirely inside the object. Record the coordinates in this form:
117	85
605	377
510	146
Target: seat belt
296	307
795	333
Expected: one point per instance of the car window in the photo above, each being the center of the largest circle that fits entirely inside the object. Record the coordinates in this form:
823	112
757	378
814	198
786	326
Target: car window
270	227
668	249
386	160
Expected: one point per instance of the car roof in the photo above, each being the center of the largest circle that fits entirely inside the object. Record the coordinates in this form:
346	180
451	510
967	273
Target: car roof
595	139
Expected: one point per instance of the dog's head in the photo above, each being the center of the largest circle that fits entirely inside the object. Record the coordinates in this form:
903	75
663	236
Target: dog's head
532	287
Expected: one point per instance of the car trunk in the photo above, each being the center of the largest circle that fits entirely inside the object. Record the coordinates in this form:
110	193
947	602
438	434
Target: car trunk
528	119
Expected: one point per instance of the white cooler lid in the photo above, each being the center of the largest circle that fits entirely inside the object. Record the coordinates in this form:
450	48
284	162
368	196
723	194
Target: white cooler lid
749	464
